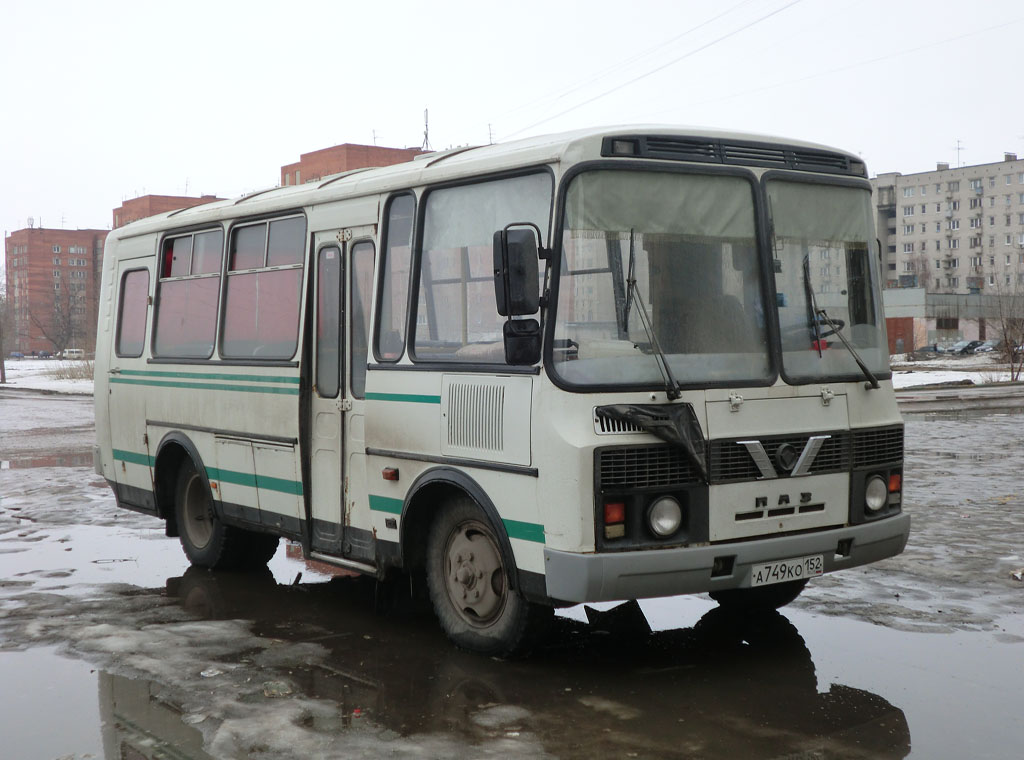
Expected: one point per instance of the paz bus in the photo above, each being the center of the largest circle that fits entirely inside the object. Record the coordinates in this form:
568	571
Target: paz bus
605	365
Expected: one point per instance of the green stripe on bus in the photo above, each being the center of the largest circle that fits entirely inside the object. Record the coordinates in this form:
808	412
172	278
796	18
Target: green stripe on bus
281	485
211	376
206	386
524	531
132	458
386	504
412	398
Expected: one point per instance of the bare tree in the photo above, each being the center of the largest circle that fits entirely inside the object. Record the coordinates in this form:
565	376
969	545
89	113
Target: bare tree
65	324
1010	323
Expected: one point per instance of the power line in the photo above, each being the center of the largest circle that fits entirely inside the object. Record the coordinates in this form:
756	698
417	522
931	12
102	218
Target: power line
656	69
566	91
858	64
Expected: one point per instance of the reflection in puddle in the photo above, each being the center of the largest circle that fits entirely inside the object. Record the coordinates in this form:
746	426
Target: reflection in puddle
76	459
729	686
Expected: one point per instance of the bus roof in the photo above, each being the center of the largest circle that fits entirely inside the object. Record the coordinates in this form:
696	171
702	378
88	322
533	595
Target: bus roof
448	165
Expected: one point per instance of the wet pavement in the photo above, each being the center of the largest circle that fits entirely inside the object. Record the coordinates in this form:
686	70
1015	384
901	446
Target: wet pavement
112	647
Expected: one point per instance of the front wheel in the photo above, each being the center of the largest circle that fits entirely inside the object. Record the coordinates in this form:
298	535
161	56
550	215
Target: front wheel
759	598
469	586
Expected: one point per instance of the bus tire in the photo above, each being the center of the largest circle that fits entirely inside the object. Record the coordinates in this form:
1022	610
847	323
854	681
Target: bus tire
759	598
468	584
206	540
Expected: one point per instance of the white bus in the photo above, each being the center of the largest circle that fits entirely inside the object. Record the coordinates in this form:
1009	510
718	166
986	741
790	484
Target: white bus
610	364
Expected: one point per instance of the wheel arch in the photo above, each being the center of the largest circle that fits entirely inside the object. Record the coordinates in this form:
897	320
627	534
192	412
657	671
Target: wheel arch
172	450
425	499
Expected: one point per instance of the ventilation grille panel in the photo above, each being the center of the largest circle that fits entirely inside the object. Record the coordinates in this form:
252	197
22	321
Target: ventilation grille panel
643	467
476	416
738	153
878	446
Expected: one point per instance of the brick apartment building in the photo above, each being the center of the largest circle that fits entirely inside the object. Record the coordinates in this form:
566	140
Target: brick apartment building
52	288
342	158
53	276
148	205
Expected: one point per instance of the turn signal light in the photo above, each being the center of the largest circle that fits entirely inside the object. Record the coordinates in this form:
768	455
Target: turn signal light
895	482
614	512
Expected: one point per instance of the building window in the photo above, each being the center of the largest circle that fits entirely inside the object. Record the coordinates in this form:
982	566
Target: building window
976	184
975	222
908	211
924	190
954	186
56	261
56	249
991	181
908	192
1009	240
954	263
1009	179
953	206
954	224
991	279
908	266
1007	259
908	229
908	247
975	261
954	243
975	202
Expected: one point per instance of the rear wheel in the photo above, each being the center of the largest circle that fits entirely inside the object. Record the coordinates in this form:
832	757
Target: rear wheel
206	540
759	598
469	586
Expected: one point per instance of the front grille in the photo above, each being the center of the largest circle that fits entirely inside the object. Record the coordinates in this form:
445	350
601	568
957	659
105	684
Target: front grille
878	446
731	461
738	153
643	467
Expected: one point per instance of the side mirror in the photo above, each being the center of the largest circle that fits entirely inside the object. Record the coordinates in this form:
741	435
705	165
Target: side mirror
517	270
522	342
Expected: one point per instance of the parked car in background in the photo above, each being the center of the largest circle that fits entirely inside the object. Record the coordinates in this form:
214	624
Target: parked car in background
962	347
73	353
16	355
45	354
988	346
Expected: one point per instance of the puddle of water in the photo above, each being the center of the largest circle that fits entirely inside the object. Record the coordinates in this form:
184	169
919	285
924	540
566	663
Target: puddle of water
77	459
38	687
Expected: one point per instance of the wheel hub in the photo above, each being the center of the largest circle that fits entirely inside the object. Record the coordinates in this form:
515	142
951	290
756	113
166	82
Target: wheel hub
475	579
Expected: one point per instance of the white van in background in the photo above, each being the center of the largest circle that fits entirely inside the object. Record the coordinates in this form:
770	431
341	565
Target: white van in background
73	353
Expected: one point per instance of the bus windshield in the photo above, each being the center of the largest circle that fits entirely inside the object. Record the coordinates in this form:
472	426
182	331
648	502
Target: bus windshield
675	250
822	244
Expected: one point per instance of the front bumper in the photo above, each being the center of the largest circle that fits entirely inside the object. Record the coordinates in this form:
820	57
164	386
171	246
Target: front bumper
609	577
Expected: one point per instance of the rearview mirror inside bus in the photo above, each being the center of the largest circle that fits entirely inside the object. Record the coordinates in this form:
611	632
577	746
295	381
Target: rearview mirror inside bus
516	271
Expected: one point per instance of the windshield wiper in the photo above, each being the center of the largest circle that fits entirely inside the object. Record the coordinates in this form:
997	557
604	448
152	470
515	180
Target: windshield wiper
834	326
671	386
872	380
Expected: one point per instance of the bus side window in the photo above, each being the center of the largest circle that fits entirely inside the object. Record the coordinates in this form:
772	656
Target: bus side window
131	315
393	298
361	266
188	290
264	282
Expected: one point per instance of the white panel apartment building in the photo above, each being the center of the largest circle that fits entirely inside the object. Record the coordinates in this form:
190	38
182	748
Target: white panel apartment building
957	231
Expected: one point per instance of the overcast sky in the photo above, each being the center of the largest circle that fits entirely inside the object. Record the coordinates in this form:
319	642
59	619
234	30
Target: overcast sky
104	101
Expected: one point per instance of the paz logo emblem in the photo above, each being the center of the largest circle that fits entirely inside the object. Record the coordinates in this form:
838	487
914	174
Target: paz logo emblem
786	457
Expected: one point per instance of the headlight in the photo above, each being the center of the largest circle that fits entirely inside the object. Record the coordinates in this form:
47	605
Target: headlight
876	494
664	516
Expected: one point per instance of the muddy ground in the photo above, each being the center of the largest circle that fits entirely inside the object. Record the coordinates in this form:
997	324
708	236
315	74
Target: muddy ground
111	647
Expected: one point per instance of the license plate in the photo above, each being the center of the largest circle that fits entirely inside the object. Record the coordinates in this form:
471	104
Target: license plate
786	570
